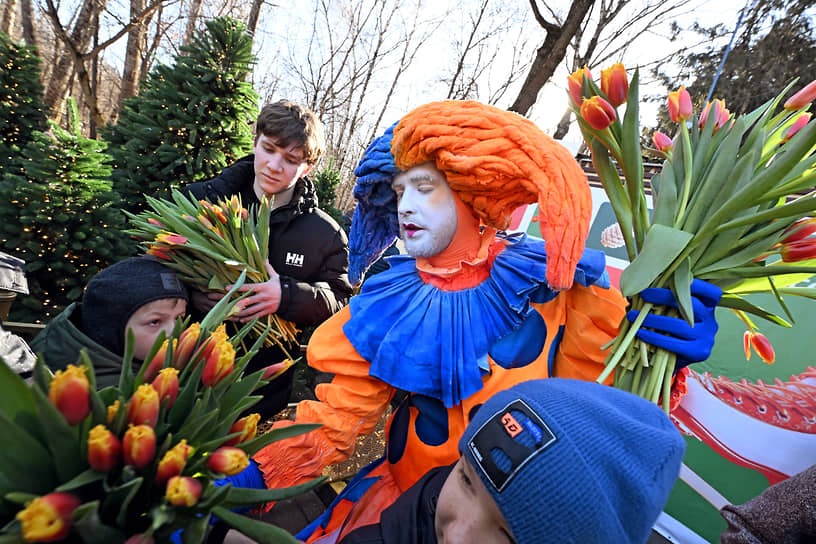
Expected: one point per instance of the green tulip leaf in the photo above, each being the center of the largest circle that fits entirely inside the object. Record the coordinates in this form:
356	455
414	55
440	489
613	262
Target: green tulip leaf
243	496
118	499
82	479
662	245
681	279
736	302
25	464
62	439
256	530
195	530
90	527
12	539
17	400
20	498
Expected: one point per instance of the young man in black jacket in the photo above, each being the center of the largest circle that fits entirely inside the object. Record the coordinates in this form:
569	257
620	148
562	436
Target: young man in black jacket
308	251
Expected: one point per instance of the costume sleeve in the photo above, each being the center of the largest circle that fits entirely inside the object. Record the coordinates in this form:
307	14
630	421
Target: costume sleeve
349	406
311	303
592	317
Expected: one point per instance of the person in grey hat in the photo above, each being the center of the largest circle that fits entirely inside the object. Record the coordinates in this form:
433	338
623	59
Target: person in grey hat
138	294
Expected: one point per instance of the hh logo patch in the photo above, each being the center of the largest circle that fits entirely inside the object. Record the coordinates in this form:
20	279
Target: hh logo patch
294	259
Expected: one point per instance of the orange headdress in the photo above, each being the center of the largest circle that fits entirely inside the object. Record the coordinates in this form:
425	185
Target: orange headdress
497	161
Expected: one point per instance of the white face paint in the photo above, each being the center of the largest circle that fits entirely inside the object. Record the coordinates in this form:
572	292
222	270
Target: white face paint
426	211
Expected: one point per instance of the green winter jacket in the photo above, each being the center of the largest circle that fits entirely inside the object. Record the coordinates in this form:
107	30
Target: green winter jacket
62	339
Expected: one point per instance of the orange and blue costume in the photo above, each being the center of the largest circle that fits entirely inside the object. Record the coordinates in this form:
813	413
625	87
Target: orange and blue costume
454	329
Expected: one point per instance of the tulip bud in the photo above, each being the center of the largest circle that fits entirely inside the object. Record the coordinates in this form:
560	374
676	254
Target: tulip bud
155	222
219	364
166	385
141	538
273	371
761	345
797	125
159	251
662	142
598	112
801	250
247	426
218	335
143	407
575	81
171	239
112	409
680	108
183	491
802	98
615	84
228	460
186	344
721	114
48	518
104	449
173	462
69	392
157	362
219	214
800	230
139	445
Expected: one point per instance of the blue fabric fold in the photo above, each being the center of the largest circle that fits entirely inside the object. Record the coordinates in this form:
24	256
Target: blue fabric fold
428	341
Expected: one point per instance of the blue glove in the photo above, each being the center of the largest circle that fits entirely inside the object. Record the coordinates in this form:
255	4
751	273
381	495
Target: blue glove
691	344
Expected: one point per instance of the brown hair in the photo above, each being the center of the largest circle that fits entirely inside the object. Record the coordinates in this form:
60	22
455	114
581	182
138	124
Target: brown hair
290	123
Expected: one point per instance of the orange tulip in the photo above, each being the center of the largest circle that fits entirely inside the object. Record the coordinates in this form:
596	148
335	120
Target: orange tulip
680	108
104	449
48	518
186	344
662	142
219	214
802	98
598	112
157	362
797	125
760	343
219	364
139	445
183	491
575	81
69	392
801	250
247	426
166	385
143	407
615	84
218	335
228	460
173	462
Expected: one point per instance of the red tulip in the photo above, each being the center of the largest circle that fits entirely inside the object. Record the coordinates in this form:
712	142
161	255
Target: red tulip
216	337
48	518
166	385
797	125
801	250
171	239
157	362
615	84
155	222
173	462
104	449
139	445
662	142
219	214
247	426
802	98
186	344
143	407
159	251
800	230
598	112
273	371
69	392
575	81
721	114
218	364
761	345
141	538
680	108
228	460
183	491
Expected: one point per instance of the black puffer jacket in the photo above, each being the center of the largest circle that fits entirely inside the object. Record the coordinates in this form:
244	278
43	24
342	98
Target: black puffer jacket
306	247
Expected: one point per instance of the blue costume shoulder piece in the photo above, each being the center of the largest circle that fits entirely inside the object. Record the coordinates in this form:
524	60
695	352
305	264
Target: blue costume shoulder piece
433	342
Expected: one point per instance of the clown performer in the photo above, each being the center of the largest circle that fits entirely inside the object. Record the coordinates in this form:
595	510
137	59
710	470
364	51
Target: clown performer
467	313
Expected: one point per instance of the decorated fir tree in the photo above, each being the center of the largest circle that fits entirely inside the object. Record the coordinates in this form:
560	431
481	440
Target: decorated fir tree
59	215
326	182
190	120
21	107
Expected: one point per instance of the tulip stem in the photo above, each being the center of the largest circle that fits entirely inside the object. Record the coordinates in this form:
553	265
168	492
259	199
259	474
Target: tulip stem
688	166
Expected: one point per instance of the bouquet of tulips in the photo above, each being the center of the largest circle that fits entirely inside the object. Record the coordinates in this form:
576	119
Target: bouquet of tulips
731	206
137	462
210	245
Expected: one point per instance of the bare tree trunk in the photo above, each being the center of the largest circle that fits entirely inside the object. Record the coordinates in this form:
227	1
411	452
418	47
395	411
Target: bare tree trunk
27	20
563	125
192	21
133	56
8	17
254	15
551	52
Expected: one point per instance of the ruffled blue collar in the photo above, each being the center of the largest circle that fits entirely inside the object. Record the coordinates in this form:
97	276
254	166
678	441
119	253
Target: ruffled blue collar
423	339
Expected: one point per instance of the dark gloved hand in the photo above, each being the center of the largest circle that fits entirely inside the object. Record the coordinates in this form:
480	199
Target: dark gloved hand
691	344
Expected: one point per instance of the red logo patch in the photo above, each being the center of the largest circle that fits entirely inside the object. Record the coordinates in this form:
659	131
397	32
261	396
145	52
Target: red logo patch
511	425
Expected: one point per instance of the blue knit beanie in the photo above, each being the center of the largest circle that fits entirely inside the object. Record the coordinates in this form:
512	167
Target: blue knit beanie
374	226
573	461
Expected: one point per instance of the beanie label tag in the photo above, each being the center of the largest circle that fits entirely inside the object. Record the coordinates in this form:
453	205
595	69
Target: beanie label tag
509	440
